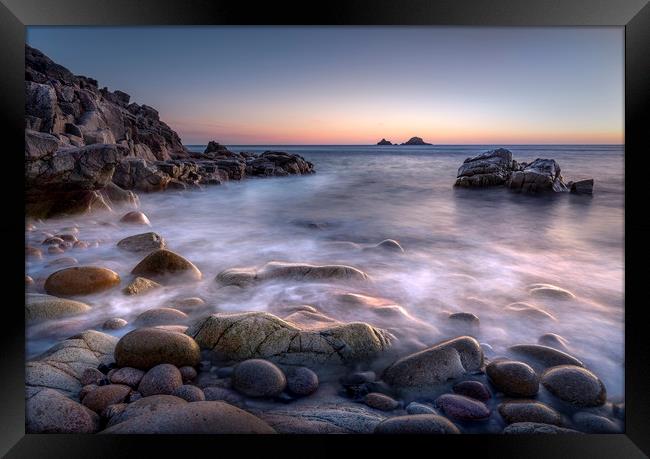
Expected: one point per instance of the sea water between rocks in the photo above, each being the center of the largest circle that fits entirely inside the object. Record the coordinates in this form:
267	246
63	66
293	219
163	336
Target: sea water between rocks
466	250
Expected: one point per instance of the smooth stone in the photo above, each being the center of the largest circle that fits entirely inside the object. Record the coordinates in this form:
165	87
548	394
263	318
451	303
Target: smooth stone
140	285
64	261
114	323
302	381
144	348
462	408
81	245
163	264
49	411
473	389
91	376
555	341
102	396
390	245
515	379
188	373
528	428
258	378
189	393
135	217
529	411
190	303
428	369
419	408
550	291
145	405
417	424
160	316
543	357
208	417
33	252
216	393
126	375
145	242
529	311
55	250
46	307
575	385
592	423
53	240
162	379
381	402
67	237
465	318
81	280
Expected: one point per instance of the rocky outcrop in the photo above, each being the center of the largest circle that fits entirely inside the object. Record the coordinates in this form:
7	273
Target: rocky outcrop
85	146
260	335
384	142
415	141
497	168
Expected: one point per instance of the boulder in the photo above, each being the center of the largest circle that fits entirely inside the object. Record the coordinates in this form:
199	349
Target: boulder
140	285
384	142
164	265
145	348
127	376
302	381
427	370
135	217
582	186
189	393
473	389
462	408
514	379
163	379
550	291
241	336
206	417
529	411
114	323
103	396
575	385
540	175
258	378
160	316
415	141
145	242
49	411
81	280
542	357
47	307
417	424
486	169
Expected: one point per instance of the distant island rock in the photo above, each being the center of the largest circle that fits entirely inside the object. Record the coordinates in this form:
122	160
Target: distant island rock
384	142
415	141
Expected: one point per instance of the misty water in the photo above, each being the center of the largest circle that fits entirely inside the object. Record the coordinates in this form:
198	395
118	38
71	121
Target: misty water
465	250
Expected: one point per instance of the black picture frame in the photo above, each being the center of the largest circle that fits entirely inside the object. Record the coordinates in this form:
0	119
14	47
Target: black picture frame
634	15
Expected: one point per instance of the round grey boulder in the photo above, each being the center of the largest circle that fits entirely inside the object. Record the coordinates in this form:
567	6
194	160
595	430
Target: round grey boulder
189	393
258	378
515	379
575	385
162	379
302	381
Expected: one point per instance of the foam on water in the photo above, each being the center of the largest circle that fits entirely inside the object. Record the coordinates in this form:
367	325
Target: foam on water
466	250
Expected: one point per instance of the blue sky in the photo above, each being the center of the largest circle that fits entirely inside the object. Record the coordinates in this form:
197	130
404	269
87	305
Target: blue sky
355	85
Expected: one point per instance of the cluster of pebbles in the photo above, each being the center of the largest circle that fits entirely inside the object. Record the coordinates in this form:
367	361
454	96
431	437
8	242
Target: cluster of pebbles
257	373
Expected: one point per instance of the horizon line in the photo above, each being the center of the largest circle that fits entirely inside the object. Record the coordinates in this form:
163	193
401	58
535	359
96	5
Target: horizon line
400	145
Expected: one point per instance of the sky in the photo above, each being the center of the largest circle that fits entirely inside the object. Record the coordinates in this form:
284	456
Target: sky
356	85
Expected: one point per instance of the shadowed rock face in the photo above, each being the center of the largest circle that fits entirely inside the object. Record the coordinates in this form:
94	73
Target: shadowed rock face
486	169
540	175
241	336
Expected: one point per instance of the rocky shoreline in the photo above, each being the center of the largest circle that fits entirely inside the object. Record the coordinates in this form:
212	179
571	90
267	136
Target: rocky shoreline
186	369
86	146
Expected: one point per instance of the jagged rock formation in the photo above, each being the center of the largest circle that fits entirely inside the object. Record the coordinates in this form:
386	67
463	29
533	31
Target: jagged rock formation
496	167
84	146
415	141
384	142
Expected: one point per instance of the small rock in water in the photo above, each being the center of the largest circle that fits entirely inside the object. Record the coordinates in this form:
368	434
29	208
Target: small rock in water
161	316
391	245
55	250
33	252
114	323
582	186
543	357
381	402
82	280
145	242
515	379
188	373
135	217
417	424
419	408
473	389
592	423
126	375
529	411
465	318
28	280
161	379
555	341
43	307
550	291
302	381
161	264
63	261
529	311
140	285
189	393
463	408
258	378
67	237
575	385
53	240
188	303
81	245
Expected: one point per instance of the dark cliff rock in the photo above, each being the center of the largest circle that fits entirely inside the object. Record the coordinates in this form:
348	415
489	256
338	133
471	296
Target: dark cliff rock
384	142
85	146
415	141
496	167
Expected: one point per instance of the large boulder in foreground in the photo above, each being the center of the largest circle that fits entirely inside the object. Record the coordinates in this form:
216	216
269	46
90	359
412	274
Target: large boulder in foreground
47	307
164	266
250	335
145	348
49	411
81	280
486	169
540	175
290	271
208	417
425	372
